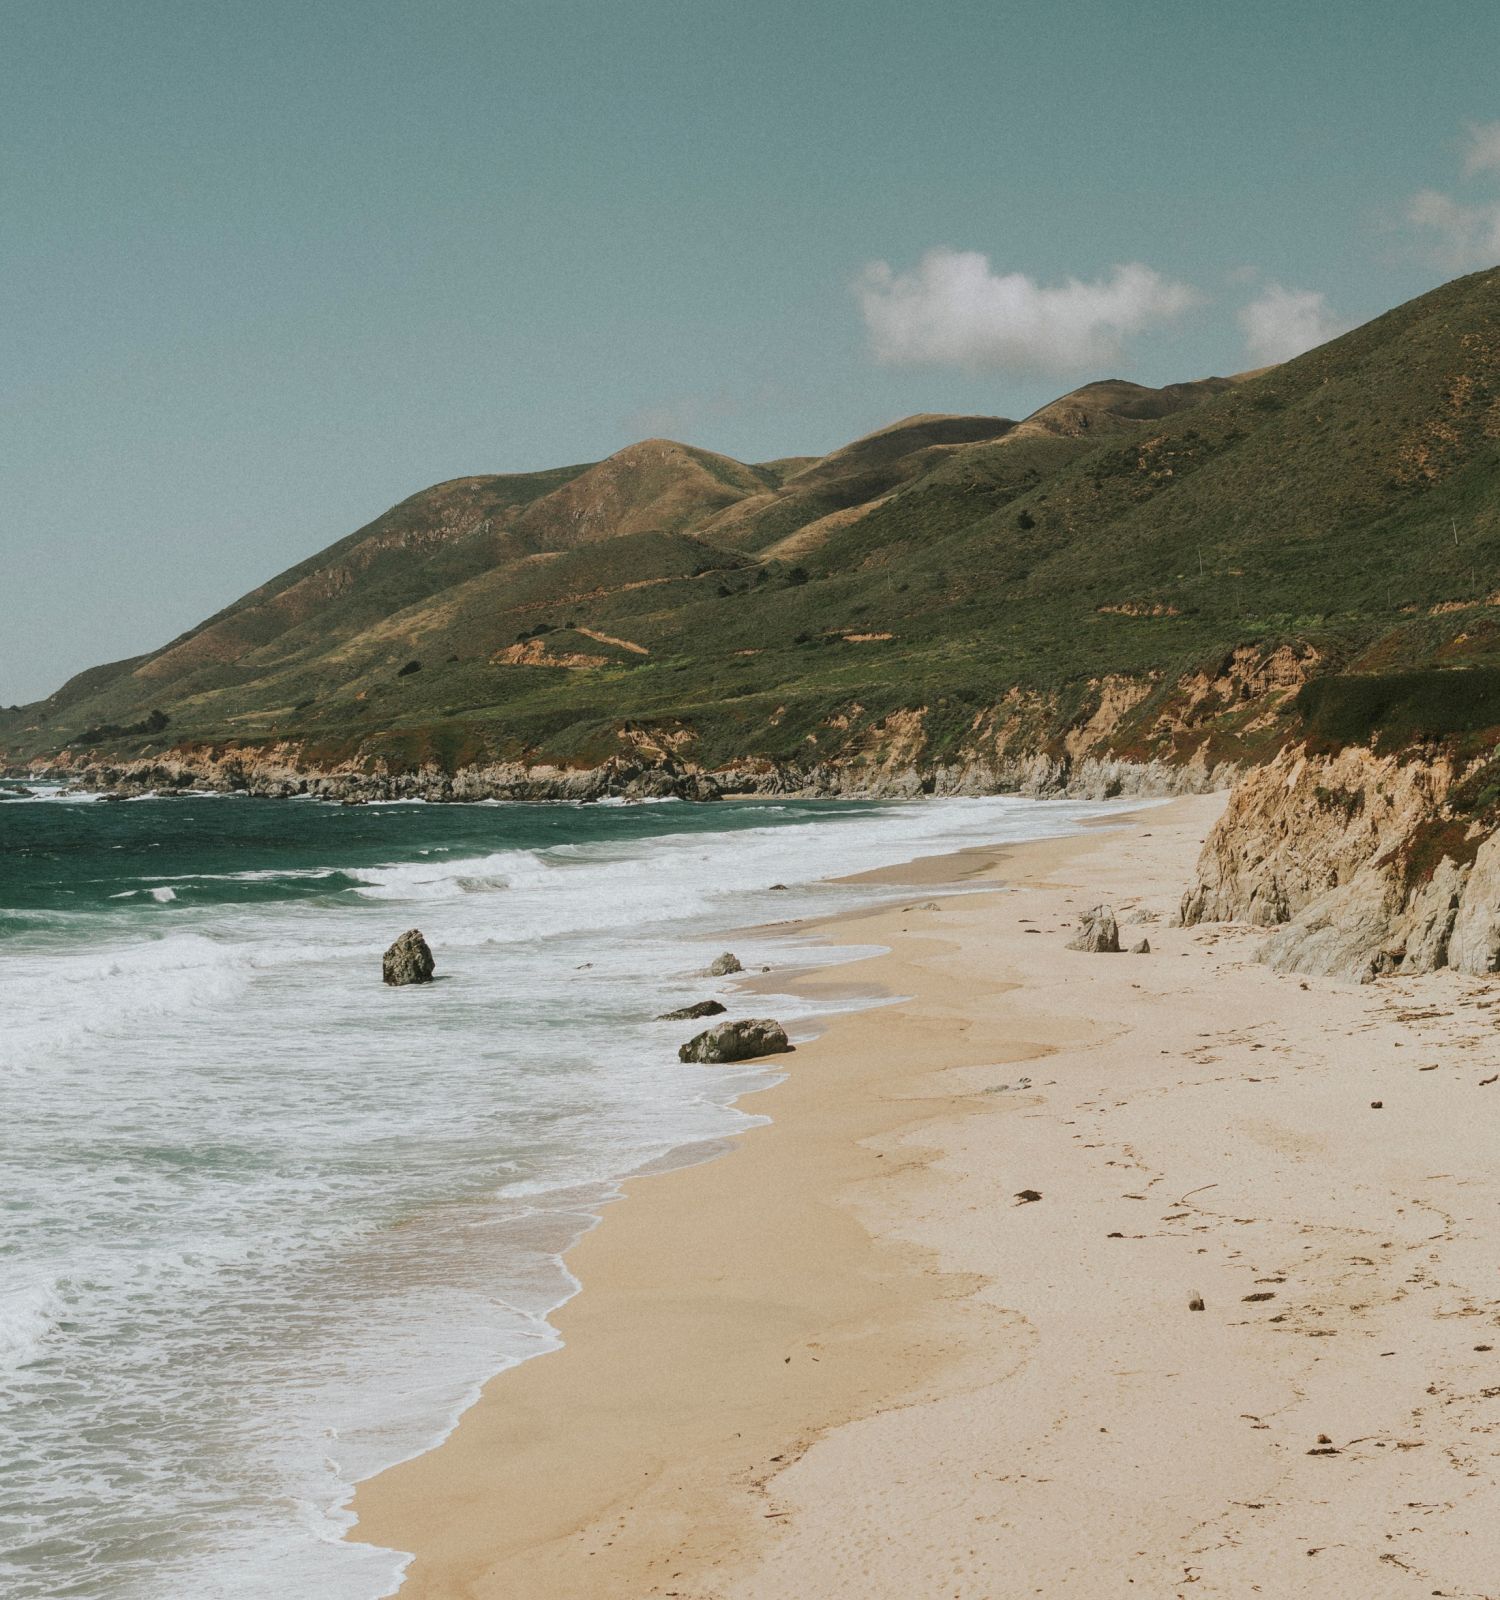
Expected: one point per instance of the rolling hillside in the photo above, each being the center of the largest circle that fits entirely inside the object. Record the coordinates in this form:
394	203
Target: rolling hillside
1144	573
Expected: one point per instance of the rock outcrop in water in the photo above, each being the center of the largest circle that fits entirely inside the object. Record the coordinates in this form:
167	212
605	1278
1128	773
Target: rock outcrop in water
737	1041
702	1008
1099	933
1364	864
722	966
409	960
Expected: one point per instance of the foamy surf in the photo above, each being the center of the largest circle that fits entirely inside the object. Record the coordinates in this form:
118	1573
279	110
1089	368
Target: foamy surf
28	1313
272	1222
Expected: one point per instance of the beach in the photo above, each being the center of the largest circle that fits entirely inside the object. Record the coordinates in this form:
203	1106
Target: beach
283	1263
850	1357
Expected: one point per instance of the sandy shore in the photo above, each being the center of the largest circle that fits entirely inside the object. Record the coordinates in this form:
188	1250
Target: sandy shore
845	1360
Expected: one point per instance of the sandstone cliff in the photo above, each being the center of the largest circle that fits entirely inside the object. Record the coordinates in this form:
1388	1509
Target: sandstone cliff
1362	863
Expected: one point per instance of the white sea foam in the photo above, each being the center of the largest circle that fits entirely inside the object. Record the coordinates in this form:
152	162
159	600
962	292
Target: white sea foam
28	1313
53	796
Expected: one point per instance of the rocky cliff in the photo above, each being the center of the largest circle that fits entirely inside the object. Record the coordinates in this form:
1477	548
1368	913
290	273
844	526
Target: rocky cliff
1362	863
286	771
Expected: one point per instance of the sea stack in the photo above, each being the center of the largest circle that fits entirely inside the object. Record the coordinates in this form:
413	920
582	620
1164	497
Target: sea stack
408	960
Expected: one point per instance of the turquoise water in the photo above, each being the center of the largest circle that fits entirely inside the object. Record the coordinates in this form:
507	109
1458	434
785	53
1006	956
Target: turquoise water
268	1223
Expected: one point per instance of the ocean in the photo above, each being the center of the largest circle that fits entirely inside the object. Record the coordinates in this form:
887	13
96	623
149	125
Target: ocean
268	1223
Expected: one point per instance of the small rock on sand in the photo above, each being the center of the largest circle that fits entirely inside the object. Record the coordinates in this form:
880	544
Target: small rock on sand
408	960
1141	949
1195	1303
1099	932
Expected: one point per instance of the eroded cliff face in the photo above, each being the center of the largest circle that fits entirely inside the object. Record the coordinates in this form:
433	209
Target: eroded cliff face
1361	864
284	771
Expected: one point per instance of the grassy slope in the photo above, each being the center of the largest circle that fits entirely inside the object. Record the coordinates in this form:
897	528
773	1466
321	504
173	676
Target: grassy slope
1346	500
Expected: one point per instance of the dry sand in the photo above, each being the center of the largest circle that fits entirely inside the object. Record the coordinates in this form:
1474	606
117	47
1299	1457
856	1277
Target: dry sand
845	1360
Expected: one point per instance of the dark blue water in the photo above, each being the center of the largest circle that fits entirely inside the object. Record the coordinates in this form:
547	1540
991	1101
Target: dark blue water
62	855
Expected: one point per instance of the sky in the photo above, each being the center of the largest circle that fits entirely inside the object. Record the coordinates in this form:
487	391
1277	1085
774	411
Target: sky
266	269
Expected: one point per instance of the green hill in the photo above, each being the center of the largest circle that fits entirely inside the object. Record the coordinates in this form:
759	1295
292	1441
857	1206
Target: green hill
1130	571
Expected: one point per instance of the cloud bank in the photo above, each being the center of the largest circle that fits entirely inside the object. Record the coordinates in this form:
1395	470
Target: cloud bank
955	310
1281	323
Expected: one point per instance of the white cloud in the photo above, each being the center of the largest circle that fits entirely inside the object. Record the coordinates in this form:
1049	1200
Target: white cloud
1466	236
1281	323
955	310
1463	234
1483	152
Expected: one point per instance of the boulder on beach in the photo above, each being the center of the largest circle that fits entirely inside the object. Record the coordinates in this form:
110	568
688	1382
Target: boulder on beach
722	966
737	1041
702	1008
1099	933
408	960
1141	949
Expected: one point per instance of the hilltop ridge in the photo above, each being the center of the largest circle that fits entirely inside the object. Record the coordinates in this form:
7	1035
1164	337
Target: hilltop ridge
1132	574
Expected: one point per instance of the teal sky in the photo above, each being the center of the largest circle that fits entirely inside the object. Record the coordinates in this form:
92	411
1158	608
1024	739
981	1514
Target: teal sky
267	267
